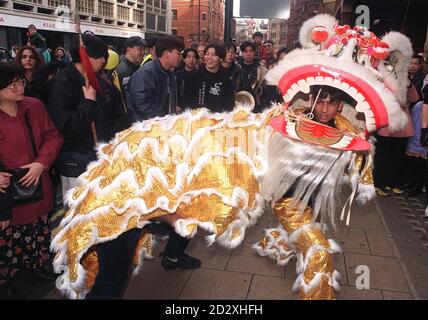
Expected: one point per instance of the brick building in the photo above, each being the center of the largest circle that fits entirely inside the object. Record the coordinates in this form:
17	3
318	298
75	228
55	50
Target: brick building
300	11
277	32
198	20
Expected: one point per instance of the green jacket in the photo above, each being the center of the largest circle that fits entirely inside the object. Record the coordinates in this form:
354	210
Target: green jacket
38	41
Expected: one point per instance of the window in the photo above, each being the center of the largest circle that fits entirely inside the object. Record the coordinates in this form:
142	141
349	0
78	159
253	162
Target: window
139	16
85	6
204	16
105	9
34	1
122	13
162	23
57	3
174	14
151	21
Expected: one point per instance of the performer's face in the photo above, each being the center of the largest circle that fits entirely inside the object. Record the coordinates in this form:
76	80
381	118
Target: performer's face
325	109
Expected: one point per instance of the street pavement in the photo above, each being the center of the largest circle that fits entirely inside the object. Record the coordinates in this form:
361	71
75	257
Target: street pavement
387	235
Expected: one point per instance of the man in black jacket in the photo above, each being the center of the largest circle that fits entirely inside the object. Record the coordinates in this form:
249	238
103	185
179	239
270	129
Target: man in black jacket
153	93
133	50
253	73
209	87
230	67
152	88
190	59
74	109
416	74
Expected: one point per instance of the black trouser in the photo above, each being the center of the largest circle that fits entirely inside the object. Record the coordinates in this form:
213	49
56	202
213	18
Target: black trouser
415	168
426	179
389	161
115	257
176	244
114	260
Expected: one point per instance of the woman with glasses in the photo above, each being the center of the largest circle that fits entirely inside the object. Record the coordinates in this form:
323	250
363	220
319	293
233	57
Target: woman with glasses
29	59
28	140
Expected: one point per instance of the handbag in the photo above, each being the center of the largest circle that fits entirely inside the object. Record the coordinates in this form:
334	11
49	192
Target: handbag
25	195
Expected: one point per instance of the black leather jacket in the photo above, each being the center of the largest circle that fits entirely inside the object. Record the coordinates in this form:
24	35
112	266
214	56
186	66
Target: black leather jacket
152	92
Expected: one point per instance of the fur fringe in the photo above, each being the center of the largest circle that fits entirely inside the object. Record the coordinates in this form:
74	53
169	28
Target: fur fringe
305	33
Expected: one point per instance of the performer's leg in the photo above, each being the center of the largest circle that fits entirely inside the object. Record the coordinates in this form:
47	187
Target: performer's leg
174	255
114	259
275	245
381	161
317	278
426	186
420	177
396	161
176	244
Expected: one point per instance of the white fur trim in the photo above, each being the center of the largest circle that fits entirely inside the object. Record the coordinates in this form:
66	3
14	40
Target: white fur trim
366	192
333	281
325	20
273	249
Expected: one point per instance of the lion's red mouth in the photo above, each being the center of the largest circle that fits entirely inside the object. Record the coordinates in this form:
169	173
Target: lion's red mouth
368	100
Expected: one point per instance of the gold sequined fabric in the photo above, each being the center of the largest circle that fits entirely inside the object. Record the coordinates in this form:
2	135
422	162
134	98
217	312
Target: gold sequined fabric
308	236
203	167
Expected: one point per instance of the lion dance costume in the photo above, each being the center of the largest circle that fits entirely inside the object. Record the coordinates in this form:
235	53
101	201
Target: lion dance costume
220	172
